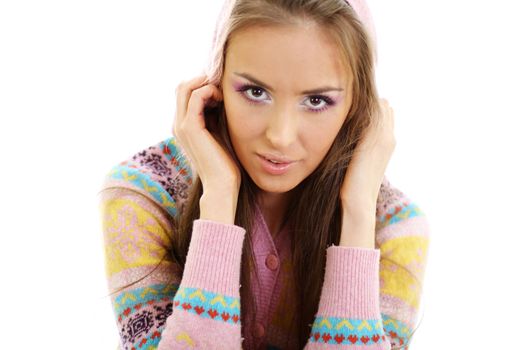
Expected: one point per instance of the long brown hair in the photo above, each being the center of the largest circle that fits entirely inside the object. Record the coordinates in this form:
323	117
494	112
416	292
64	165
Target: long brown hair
314	214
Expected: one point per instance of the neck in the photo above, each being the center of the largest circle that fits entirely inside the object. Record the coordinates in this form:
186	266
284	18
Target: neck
273	207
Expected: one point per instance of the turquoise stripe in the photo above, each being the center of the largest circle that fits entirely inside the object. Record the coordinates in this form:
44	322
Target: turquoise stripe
142	295
171	144
211	305
123	172
335	330
150	342
412	209
393	326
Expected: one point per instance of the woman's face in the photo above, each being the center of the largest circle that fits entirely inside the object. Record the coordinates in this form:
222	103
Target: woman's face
271	107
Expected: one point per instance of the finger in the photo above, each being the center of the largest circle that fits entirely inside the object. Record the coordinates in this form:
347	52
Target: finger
198	100
184	90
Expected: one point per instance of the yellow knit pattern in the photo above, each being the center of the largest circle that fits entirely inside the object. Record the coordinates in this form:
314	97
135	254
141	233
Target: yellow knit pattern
133	236
402	267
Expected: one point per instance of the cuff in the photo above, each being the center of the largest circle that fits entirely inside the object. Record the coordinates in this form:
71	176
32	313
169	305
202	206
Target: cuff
213	262
351	283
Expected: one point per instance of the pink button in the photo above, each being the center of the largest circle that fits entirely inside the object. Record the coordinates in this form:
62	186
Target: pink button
258	331
272	262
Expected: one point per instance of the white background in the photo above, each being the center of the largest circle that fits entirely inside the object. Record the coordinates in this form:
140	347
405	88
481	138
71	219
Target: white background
84	85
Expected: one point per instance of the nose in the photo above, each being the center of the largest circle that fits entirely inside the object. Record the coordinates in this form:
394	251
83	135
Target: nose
282	129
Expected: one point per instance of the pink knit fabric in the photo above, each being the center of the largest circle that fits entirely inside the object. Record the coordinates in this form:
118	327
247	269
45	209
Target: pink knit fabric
216	248
369	298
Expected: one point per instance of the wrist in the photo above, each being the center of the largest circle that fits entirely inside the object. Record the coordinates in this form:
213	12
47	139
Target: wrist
357	229
361	210
219	206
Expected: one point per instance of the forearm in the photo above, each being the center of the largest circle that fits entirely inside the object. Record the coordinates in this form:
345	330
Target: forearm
219	206
207	304
357	228
349	314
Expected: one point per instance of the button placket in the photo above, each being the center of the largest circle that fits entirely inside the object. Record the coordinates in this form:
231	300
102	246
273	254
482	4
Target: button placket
259	330
272	262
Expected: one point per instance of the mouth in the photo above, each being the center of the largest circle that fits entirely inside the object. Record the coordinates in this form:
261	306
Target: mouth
275	162
273	167
275	159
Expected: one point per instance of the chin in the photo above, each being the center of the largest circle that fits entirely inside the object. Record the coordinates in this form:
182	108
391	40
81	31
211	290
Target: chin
277	184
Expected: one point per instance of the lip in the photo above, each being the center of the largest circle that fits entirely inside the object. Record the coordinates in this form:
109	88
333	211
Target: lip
274	169
277	158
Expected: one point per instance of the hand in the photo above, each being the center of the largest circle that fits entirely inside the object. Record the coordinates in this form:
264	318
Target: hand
213	163
365	173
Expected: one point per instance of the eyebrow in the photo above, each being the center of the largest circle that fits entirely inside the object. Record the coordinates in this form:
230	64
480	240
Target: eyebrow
267	87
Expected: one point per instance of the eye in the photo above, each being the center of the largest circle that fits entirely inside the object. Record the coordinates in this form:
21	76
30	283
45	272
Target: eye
257	91
326	102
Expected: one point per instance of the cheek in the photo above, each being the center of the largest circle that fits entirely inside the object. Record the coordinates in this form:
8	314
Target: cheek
239	126
242	125
317	141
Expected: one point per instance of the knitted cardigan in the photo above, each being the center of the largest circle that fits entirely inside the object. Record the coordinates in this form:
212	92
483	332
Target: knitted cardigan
370	297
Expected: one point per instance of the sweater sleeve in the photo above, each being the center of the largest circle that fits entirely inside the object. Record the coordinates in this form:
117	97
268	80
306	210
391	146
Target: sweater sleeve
370	297
169	307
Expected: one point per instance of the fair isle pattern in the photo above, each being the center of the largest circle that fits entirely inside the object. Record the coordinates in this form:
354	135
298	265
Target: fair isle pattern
402	211
401	272
397	331
404	243
125	302
335	330
173	152
135	238
393	208
162	171
141	179
142	322
208	304
149	342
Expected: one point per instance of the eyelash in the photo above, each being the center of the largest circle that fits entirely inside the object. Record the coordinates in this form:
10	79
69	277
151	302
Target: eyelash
329	101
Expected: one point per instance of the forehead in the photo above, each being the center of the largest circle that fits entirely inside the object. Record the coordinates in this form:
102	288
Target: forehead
288	57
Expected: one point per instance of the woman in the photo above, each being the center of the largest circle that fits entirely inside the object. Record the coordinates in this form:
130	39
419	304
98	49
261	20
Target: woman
266	222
